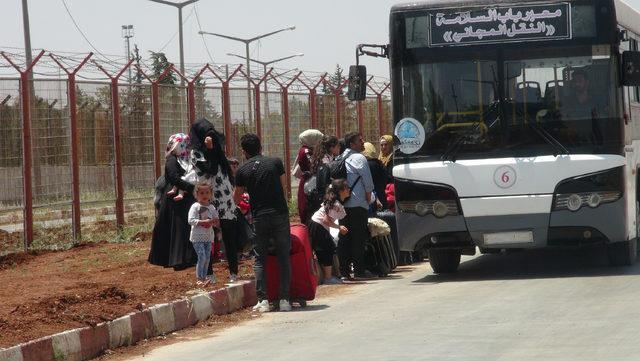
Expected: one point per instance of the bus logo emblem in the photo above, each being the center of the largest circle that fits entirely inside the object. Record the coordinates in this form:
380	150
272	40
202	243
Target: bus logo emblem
411	134
505	177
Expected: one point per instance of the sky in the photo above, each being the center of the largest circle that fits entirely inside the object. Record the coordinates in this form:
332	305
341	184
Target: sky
326	31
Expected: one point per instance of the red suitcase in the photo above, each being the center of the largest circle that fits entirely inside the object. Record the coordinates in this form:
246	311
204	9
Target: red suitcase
303	279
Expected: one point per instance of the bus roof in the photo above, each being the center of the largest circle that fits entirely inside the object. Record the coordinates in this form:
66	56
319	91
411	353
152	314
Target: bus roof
627	15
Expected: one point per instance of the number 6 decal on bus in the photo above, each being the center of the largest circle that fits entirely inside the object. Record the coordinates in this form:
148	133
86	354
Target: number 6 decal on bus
505	177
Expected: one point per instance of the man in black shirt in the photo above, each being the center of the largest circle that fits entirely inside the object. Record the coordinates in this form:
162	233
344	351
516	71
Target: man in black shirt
264	178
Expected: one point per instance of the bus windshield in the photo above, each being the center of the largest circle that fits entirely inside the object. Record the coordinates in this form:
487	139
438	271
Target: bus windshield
516	108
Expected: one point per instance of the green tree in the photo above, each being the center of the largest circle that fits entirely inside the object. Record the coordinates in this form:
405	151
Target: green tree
159	64
334	81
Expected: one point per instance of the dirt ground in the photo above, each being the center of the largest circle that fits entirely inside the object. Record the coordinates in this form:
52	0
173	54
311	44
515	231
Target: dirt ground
49	292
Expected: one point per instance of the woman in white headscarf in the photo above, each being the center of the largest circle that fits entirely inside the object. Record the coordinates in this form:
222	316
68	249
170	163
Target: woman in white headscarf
170	245
309	139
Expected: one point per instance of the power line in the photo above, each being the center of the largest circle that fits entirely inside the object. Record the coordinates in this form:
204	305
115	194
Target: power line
202	35
81	32
176	33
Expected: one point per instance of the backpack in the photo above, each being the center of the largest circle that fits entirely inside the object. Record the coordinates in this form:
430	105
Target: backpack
316	186
338	170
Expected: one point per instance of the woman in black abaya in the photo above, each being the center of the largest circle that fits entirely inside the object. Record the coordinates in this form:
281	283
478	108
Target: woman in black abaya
170	245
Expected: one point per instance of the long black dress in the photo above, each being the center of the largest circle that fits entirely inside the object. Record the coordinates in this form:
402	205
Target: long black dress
170	245
380	179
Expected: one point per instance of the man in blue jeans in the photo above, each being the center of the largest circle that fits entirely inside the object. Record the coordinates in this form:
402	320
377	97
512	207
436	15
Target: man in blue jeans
264	178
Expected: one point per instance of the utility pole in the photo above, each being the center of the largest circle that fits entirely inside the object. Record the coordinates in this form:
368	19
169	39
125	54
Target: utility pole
179	6
127	34
27	35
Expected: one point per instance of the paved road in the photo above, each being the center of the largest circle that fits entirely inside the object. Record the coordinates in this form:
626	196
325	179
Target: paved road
551	305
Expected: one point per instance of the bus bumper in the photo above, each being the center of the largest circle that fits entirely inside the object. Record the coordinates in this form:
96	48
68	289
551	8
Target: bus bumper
604	224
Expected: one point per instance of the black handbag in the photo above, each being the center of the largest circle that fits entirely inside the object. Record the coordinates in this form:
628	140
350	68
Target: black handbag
246	233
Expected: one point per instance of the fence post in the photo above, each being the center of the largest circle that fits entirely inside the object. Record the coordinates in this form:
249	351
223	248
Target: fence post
155	112
27	155
336	94
117	144
191	102
381	125
287	150
258	115
75	140
381	118
27	152
226	114
313	93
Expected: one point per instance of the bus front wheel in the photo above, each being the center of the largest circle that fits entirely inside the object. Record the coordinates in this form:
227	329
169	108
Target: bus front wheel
623	253
444	260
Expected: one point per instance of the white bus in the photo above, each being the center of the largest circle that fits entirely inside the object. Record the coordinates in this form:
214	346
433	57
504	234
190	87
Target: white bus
518	126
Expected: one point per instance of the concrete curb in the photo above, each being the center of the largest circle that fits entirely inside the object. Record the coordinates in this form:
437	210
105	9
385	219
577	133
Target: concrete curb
90	342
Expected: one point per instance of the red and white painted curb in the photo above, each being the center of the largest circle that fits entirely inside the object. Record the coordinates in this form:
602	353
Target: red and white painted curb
90	342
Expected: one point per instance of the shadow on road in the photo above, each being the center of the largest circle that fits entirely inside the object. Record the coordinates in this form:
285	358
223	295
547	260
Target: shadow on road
548	263
310	308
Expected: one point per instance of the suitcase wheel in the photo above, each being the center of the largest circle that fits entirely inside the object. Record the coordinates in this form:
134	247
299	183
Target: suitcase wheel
303	303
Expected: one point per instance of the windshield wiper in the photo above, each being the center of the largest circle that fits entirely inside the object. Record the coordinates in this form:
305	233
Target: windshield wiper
544	134
452	151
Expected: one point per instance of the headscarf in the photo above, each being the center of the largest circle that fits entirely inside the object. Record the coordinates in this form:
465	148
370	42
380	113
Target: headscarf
369	151
199	131
215	157
385	159
178	145
310	138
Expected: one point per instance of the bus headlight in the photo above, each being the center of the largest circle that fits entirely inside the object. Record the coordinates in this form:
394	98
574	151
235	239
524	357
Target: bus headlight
440	209
422	208
423	199
594	200
575	201
590	190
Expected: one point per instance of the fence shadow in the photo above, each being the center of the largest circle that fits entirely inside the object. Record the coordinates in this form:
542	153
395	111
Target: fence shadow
538	264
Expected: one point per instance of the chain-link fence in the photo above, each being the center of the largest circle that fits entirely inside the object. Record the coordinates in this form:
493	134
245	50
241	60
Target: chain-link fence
80	174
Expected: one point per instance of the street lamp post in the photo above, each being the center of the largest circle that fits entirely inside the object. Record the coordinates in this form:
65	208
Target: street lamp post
248	59
179	6
264	65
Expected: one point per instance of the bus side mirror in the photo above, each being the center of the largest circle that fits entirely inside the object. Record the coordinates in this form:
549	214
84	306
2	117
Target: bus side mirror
357	82
631	68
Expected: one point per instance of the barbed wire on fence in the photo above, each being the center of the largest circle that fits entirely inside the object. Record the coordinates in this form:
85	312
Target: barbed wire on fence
111	132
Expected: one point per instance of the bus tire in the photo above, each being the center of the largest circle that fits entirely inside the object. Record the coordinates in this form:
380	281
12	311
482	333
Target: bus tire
444	260
623	253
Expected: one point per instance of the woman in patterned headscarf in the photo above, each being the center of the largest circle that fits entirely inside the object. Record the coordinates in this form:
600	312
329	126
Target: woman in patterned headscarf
170	245
386	153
